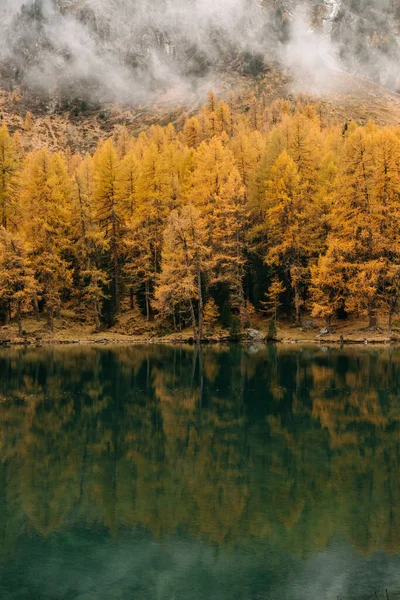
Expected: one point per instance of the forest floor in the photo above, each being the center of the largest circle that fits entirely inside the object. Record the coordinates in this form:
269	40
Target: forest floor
131	330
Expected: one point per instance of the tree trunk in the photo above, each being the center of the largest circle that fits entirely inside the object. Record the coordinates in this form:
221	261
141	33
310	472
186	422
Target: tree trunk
97	316
50	319
392	310
132	298
147	294
193	317
200	293
4	313
373	318
115	266
297	304
19	318
116	282
36	308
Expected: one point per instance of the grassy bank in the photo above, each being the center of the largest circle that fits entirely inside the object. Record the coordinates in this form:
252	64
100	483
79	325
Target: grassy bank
128	330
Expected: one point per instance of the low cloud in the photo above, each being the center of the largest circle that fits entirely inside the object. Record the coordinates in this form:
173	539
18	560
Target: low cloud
133	51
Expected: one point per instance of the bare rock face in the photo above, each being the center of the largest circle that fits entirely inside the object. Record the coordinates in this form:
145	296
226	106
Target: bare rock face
128	50
122	49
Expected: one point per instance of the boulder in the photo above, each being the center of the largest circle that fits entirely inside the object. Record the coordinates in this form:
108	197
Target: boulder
309	324
255	335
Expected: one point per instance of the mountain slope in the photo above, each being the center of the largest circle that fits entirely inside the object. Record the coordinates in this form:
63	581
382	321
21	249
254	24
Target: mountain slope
80	126
131	50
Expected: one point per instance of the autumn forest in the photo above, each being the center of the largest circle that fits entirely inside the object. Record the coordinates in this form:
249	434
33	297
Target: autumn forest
272	210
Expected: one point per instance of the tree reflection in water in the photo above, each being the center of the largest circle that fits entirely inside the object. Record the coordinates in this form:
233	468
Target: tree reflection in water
259	462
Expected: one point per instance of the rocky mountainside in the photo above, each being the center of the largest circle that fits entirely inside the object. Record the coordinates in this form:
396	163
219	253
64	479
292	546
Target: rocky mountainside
132	50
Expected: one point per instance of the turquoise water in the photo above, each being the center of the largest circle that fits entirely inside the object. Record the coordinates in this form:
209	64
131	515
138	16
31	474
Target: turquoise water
182	473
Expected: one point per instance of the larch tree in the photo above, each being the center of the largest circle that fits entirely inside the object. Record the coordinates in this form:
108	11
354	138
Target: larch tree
110	212
9	168
191	132
185	260
18	286
46	199
247	148
127	184
215	188
89	242
385	189
287	218
274	298
224	119
157	192
359	240
329	284
211	102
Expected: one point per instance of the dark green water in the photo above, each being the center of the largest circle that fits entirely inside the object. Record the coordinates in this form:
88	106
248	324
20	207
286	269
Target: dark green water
228	473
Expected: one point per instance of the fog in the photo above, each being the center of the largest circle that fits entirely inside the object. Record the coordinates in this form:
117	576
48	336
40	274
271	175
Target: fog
135	50
91	566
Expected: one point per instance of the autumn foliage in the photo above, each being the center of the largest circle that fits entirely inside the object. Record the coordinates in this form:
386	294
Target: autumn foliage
274	209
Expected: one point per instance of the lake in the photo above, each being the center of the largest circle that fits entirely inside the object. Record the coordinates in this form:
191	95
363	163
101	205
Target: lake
185	473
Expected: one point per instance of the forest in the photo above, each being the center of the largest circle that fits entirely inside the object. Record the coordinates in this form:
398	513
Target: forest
273	209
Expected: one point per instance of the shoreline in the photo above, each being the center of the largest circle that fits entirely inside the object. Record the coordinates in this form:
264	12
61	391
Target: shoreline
17	342
67	332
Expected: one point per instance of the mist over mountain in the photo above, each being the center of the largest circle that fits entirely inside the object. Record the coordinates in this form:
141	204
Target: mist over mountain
131	50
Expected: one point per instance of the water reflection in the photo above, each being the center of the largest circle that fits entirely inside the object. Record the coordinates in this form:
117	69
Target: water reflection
181	472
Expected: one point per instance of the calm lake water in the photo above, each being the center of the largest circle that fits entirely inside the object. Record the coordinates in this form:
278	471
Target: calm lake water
220	473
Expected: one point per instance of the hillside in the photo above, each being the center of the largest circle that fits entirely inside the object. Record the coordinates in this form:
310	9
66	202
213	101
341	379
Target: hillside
81	125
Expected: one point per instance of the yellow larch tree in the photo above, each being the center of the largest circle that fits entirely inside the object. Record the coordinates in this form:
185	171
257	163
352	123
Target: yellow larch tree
157	192
247	148
109	213
46	200
191	133
9	169
185	262
18	286
363	246
215	188
287	220
89	241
